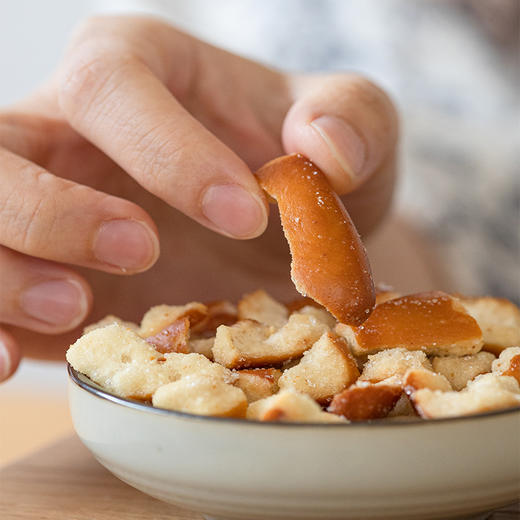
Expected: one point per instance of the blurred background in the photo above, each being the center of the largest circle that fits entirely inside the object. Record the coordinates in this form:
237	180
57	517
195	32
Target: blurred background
452	67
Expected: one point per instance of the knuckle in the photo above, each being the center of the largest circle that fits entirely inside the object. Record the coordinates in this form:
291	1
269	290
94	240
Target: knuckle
156	154
33	223
88	75
30	215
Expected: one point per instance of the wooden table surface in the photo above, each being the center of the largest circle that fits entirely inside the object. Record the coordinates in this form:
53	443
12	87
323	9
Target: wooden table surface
64	482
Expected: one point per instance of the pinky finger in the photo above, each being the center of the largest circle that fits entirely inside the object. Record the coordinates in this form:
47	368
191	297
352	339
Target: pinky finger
10	355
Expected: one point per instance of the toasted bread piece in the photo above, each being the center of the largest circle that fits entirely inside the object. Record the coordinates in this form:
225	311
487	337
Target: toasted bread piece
173	338
485	393
258	383
416	378
160	316
324	370
116	358
221	312
189	364
403	407
203	395
320	314
460	370
125	364
508	363
249	344
499	320
289	406
434	322
108	320
299	333
202	346
365	401
329	262
243	345
392	362
261	307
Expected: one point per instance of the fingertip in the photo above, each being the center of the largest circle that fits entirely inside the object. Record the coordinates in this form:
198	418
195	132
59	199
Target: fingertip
345	124
10	355
57	305
235	211
333	145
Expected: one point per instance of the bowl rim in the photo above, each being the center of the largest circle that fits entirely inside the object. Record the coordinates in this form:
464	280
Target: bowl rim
79	379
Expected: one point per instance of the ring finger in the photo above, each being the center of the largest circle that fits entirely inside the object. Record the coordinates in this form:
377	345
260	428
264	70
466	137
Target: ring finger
39	295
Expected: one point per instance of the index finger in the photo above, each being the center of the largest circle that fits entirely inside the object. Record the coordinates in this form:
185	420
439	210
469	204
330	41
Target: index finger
112	93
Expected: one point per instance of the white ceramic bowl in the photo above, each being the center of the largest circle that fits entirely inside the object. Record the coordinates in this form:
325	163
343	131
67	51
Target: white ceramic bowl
235	469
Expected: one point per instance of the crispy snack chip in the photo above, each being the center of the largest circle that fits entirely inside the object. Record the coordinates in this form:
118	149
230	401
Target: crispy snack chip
289	406
485	393
258	383
249	344
499	320
434	322
416	378
508	363
392	362
460	370
201	394
160	316
173	338
329	261
259	306
366	401
324	370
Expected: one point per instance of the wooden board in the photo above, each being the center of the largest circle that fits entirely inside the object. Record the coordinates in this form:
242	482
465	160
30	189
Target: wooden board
64	482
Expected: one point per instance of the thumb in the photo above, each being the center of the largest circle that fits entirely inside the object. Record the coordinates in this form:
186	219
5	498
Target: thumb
345	124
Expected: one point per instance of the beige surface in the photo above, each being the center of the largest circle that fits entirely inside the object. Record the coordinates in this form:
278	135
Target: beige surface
28	423
65	483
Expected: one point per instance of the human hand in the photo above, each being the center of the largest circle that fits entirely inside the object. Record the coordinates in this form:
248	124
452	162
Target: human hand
142	132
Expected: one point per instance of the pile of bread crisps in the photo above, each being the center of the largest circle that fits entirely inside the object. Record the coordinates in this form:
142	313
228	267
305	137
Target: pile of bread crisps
343	352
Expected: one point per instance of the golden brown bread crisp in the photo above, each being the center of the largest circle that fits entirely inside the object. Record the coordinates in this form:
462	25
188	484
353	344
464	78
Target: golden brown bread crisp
258	383
416	378
499	320
201	394
433	322
289	406
329	261
508	363
485	393
261	307
365	401
173	338
461	369
392	362
324	370
160	316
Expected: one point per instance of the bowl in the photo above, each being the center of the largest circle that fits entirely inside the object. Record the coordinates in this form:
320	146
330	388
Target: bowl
244	470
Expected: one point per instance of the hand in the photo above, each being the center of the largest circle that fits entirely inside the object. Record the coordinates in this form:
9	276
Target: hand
145	132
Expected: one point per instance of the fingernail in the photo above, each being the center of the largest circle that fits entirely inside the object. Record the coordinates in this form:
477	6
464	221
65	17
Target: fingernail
5	362
57	302
234	210
344	143
127	244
